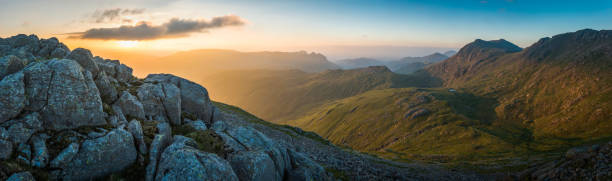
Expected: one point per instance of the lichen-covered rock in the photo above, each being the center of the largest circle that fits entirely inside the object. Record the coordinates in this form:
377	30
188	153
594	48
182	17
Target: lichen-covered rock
136	129
197	125
181	161
65	156
108	93
12	96
194	97
85	59
123	73
21	176
130	106
101	156
253	165
160	142
161	102
73	98
40	155
10	64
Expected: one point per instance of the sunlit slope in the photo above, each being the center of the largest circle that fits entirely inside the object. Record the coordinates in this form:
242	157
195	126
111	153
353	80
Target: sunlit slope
284	95
404	123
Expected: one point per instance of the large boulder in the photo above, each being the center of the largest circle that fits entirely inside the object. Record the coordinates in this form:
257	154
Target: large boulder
73	98
65	156
130	106
194	97
12	96
10	64
101	156
182	161
85	59
136	129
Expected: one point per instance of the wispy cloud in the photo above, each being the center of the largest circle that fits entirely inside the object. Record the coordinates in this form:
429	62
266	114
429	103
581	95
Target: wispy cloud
101	16
146	31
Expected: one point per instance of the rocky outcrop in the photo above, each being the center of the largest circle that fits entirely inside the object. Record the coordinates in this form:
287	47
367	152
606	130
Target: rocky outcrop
21	176
10	64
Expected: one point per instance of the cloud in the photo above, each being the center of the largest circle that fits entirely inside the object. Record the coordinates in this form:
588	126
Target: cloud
114	14
145	31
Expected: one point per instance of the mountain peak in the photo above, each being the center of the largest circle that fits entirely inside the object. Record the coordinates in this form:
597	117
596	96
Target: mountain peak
482	48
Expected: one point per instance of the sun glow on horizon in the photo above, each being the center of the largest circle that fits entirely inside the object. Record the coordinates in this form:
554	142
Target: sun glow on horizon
127	44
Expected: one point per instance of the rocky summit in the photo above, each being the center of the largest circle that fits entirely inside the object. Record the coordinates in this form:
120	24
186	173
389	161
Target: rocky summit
69	115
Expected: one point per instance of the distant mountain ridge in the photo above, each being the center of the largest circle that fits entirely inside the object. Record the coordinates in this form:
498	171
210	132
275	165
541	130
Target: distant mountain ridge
404	65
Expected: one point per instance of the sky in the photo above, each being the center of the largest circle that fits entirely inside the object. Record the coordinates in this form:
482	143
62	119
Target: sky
338	29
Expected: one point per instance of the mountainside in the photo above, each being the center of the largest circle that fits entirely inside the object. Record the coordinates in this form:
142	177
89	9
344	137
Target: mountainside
196	64
66	115
510	105
289	94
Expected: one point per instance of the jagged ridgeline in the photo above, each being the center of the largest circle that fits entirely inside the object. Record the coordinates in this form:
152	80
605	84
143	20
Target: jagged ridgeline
66	115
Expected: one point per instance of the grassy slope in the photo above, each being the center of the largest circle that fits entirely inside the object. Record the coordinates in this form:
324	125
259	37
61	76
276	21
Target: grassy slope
377	122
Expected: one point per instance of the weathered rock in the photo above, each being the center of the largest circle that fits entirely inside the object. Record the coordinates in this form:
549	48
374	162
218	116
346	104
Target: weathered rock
85	59
123	73
219	126
40	156
194	97
160	142
151	96
102	156
197	125
21	176
255	140
52	48
120	115
73	98
230	142
253	165
130	106
172	103
10	64
65	156
108	93
304	168
181	161
38	77
7	149
136	129
12	96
